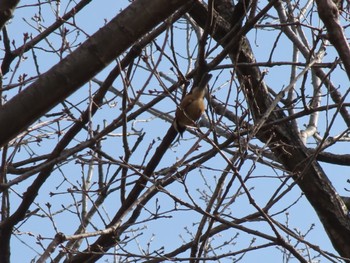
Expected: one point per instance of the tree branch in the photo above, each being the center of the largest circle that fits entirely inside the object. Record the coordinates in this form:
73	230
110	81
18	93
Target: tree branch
80	66
285	143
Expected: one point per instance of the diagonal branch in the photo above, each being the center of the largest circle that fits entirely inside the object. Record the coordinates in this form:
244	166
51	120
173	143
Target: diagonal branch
285	143
85	62
11	55
7	8
329	14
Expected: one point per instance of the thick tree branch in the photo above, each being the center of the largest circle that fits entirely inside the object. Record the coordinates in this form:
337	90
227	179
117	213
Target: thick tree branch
81	65
7	7
285	143
329	13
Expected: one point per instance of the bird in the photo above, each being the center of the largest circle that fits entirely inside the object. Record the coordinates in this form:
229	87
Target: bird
192	106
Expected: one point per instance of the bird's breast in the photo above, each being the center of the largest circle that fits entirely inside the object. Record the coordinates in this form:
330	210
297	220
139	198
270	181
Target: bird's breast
191	112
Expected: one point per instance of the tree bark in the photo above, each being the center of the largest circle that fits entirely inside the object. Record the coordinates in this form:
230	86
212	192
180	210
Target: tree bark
285	143
85	62
329	14
7	7
75	70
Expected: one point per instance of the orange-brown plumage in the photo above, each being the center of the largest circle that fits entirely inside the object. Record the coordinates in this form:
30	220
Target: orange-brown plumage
192	106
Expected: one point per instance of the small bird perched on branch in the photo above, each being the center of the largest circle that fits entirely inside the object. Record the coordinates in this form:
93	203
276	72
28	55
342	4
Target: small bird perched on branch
192	106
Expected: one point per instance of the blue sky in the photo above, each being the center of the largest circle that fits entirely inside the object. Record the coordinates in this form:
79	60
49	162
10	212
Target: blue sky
301	215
